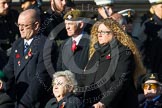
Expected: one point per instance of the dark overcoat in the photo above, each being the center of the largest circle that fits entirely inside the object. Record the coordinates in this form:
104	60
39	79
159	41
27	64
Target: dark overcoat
6	101
152	41
109	77
26	73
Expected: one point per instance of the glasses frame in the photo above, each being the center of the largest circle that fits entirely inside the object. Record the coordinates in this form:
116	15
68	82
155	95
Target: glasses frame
104	32
24	25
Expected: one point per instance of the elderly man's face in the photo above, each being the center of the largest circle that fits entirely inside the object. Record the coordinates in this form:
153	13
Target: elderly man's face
73	28
60	88
151	89
27	27
4	6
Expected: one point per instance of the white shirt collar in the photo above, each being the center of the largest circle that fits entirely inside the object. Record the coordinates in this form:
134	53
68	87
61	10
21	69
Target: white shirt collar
28	41
77	39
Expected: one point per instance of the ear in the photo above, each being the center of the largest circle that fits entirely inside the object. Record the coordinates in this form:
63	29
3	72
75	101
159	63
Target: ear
37	25
81	25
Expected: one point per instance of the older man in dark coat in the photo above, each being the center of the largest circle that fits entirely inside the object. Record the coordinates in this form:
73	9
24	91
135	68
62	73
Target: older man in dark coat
26	72
73	54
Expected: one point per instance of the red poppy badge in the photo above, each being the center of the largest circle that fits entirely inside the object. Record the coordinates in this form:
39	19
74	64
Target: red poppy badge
108	57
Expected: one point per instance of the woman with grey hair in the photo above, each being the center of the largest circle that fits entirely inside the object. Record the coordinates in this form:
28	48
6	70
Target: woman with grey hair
64	87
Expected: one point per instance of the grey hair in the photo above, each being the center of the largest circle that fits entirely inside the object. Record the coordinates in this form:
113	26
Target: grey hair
69	76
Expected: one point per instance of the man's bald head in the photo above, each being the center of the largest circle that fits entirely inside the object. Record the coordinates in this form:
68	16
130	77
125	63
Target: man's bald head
30	14
29	23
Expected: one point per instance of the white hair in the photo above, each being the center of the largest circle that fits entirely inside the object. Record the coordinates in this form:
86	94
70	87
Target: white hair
69	76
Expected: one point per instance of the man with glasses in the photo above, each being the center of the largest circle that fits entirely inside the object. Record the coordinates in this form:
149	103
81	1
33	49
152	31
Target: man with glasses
27	77
9	31
152	91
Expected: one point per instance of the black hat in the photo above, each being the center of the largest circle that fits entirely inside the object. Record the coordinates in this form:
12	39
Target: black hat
150	76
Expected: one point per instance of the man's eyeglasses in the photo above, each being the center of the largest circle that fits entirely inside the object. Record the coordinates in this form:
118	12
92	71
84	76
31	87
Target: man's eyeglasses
104	32
24	25
150	86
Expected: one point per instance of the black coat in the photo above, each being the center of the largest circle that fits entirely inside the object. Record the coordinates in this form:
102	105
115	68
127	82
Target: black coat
110	77
69	101
152	41
53	25
9	31
76	61
27	75
6	101
3	59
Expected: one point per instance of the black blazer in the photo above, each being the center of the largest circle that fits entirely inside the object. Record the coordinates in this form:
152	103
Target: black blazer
111	76
26	73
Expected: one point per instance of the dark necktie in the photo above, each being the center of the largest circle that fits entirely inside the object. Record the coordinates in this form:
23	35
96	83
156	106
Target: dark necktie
26	46
74	46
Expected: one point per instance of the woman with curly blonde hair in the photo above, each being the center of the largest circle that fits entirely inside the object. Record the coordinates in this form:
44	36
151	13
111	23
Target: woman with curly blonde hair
113	68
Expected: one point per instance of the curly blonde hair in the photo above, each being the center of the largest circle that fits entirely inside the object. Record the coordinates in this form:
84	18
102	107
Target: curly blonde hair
122	37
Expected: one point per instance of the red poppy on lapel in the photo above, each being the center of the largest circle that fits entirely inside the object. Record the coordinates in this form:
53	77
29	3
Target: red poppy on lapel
17	56
108	57
18	62
62	105
30	52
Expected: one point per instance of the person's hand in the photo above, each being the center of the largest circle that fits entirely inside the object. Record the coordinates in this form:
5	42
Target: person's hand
99	105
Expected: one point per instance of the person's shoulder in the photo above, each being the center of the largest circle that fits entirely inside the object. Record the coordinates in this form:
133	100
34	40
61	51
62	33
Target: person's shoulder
73	100
50	103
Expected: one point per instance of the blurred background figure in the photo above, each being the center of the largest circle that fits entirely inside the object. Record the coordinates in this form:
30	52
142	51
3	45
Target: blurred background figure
5	100
70	5
120	19
129	16
152	92
105	8
64	86
9	31
31	4
150	37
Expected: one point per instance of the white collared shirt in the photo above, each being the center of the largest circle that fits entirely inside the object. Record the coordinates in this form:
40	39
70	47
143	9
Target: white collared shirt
28	41
77	39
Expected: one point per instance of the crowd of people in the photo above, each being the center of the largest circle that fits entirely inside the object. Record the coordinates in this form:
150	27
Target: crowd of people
68	58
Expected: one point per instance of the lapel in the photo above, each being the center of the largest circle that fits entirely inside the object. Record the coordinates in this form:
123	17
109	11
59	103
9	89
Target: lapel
24	59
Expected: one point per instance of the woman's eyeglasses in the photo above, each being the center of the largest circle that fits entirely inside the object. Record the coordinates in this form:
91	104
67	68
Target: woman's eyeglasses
150	86
104	32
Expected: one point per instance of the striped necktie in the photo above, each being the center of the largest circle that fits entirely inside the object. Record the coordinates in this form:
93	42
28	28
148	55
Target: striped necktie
26	46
